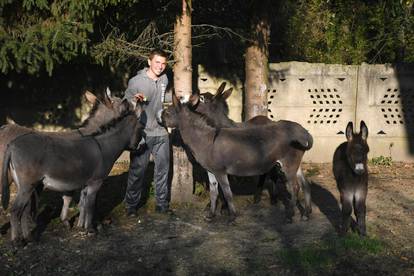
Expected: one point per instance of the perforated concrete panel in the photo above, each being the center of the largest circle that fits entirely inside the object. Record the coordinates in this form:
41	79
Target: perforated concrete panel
320	97
324	98
386	104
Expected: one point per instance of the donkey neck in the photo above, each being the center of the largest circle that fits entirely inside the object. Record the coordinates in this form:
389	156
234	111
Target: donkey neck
116	139
196	132
226	122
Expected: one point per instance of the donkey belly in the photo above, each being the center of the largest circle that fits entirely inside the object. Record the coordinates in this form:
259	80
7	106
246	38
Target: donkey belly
62	185
249	167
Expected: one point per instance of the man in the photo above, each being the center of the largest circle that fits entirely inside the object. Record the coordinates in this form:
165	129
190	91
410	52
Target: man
149	86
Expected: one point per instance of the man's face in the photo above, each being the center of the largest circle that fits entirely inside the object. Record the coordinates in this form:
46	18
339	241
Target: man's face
157	65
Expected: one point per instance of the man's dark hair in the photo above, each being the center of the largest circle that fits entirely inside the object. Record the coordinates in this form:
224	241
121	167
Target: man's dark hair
158	52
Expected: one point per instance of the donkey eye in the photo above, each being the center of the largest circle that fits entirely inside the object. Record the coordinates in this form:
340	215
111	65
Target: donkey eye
202	99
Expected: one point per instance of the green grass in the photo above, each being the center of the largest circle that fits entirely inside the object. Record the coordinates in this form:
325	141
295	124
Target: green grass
312	172
322	256
381	161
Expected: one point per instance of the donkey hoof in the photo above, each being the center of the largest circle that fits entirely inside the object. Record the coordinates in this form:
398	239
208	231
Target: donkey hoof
67	225
273	201
209	217
257	199
232	219
91	232
18	243
288	220
305	218
224	211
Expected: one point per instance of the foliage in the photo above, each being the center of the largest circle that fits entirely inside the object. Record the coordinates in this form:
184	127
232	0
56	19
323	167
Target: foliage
385	161
38	34
347	32
312	171
323	256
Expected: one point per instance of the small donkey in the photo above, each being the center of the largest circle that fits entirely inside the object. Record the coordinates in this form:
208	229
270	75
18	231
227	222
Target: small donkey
351	175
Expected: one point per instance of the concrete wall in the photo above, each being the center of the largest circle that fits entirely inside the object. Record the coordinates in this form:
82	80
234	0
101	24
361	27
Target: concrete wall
324	98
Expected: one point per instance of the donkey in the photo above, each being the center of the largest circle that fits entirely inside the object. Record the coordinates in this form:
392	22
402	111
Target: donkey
351	175
216	108
101	113
67	164
236	151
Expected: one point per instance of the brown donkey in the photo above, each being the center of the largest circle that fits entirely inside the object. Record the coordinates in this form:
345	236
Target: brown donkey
351	175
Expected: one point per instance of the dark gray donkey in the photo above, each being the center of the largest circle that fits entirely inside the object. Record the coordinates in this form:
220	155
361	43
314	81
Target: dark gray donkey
67	164
351	175
102	112
237	151
216	108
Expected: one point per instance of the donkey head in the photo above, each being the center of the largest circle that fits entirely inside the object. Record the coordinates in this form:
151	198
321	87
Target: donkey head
357	148
170	115
213	105
103	111
135	123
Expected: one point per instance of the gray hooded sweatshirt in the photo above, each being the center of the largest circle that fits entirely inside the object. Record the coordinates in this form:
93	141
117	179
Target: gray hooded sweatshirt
154	91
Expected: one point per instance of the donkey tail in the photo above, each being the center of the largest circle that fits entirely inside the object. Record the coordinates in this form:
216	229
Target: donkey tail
304	140
5	194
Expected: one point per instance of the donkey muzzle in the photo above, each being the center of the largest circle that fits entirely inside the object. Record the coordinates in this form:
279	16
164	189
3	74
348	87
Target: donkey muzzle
359	168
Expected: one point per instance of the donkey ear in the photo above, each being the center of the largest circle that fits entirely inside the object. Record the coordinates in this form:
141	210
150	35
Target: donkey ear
349	131
107	98
221	88
90	97
363	130
176	102
226	94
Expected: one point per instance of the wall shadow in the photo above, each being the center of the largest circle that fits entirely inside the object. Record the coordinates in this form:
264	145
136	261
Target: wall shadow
405	78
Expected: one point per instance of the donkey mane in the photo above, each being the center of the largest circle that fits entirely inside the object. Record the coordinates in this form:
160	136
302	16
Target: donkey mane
106	127
201	119
91	114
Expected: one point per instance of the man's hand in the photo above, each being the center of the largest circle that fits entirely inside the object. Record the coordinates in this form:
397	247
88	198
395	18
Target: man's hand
139	97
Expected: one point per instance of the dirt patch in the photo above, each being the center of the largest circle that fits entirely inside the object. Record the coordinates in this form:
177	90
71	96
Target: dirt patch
259	242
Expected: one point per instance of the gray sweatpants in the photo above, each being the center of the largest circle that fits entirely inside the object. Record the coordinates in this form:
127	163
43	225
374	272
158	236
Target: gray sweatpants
159	146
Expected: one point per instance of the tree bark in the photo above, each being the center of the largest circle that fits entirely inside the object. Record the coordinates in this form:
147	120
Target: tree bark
182	181
182	51
256	62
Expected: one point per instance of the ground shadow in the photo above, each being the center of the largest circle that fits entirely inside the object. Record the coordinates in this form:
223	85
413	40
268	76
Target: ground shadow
108	198
327	204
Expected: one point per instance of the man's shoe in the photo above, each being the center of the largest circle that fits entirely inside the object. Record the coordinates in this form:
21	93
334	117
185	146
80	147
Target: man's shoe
132	213
163	210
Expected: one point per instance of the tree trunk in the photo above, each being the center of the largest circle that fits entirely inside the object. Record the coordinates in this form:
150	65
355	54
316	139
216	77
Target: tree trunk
182	181
256	63
182	52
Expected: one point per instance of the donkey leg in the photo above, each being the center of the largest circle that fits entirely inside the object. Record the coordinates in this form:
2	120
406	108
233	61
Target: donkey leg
305	185
82	213
259	189
287	185
26	220
65	208
225	187
346	209
360	211
92	190
20	203
213	184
